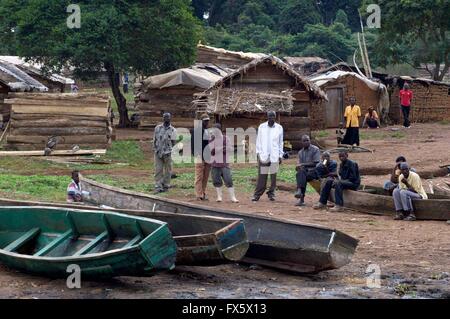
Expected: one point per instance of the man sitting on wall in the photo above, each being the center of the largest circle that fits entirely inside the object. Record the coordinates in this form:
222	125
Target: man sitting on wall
391	184
349	178
74	193
409	188
308	158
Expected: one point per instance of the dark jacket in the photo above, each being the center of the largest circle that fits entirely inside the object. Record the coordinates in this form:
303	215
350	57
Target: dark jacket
324	171
350	171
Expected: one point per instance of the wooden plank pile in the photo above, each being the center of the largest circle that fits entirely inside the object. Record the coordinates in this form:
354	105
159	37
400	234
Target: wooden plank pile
4	108
176	100
82	120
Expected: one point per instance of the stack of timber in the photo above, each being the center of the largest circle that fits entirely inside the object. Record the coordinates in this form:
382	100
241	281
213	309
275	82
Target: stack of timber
4	108
173	92
82	120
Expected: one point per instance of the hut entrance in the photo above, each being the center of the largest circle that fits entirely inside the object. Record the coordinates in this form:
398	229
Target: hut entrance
335	107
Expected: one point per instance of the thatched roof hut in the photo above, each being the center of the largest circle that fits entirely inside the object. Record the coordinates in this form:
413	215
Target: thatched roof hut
242	98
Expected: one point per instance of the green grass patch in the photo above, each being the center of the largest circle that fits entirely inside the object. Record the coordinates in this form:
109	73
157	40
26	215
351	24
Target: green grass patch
444	122
37	187
126	151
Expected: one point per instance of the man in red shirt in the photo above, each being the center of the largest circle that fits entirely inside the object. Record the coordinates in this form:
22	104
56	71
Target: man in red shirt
406	96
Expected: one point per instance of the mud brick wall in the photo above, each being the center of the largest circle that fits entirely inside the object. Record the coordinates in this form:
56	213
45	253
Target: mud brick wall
317	116
431	103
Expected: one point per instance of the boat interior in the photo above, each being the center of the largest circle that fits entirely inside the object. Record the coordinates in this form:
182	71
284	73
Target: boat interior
45	232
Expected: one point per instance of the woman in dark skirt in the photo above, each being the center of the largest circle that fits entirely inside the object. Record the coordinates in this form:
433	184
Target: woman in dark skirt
352	115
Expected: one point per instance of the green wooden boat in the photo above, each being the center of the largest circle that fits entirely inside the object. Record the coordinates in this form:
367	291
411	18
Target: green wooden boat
46	241
201	240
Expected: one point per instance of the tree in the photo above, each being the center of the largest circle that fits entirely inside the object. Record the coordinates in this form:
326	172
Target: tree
116	36
415	32
333	42
298	13
341	17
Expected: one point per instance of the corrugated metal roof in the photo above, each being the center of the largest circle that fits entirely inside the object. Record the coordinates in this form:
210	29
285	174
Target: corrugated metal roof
35	68
18	80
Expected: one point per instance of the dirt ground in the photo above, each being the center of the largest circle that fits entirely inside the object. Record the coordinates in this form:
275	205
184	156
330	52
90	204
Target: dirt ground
413	257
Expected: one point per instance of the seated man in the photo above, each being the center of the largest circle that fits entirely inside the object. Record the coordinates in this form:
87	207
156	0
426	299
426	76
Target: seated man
371	119
327	168
348	179
409	188
308	158
391	184
74	193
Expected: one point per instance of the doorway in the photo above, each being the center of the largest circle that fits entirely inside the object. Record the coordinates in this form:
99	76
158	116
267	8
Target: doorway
334	111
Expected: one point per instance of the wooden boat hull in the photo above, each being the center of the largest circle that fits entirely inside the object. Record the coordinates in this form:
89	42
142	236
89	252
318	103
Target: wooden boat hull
46	241
370	199
201	240
273	242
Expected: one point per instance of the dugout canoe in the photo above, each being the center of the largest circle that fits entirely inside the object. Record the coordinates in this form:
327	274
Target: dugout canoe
201	240
274	243
375	200
46	241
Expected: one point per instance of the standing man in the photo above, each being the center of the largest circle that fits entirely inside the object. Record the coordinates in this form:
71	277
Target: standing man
163	142
269	151
125	83
202	156
352	115
308	158
406	96
409	187
348	179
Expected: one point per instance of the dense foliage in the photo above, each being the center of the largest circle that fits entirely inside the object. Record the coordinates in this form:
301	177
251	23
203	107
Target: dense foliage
116	36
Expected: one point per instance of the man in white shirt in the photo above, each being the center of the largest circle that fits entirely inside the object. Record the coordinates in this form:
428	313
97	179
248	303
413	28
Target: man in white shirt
269	151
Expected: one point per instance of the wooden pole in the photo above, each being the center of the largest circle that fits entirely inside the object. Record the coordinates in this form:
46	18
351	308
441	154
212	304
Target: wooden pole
4	132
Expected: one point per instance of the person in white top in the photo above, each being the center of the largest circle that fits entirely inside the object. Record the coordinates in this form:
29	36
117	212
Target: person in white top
269	151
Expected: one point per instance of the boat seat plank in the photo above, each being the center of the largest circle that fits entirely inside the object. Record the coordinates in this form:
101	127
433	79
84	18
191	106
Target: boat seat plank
72	225
22	240
54	243
133	242
87	248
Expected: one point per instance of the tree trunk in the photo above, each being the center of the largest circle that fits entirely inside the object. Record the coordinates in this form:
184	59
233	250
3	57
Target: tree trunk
114	82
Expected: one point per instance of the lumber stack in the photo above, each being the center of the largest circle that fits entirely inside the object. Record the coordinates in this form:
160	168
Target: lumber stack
4	108
176	100
74	119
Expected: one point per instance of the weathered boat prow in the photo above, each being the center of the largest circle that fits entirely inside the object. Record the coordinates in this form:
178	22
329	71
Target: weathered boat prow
375	200
47	241
275	243
201	240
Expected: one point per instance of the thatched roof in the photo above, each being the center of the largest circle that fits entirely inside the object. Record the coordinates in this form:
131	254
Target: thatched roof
314	90
17	80
227	101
